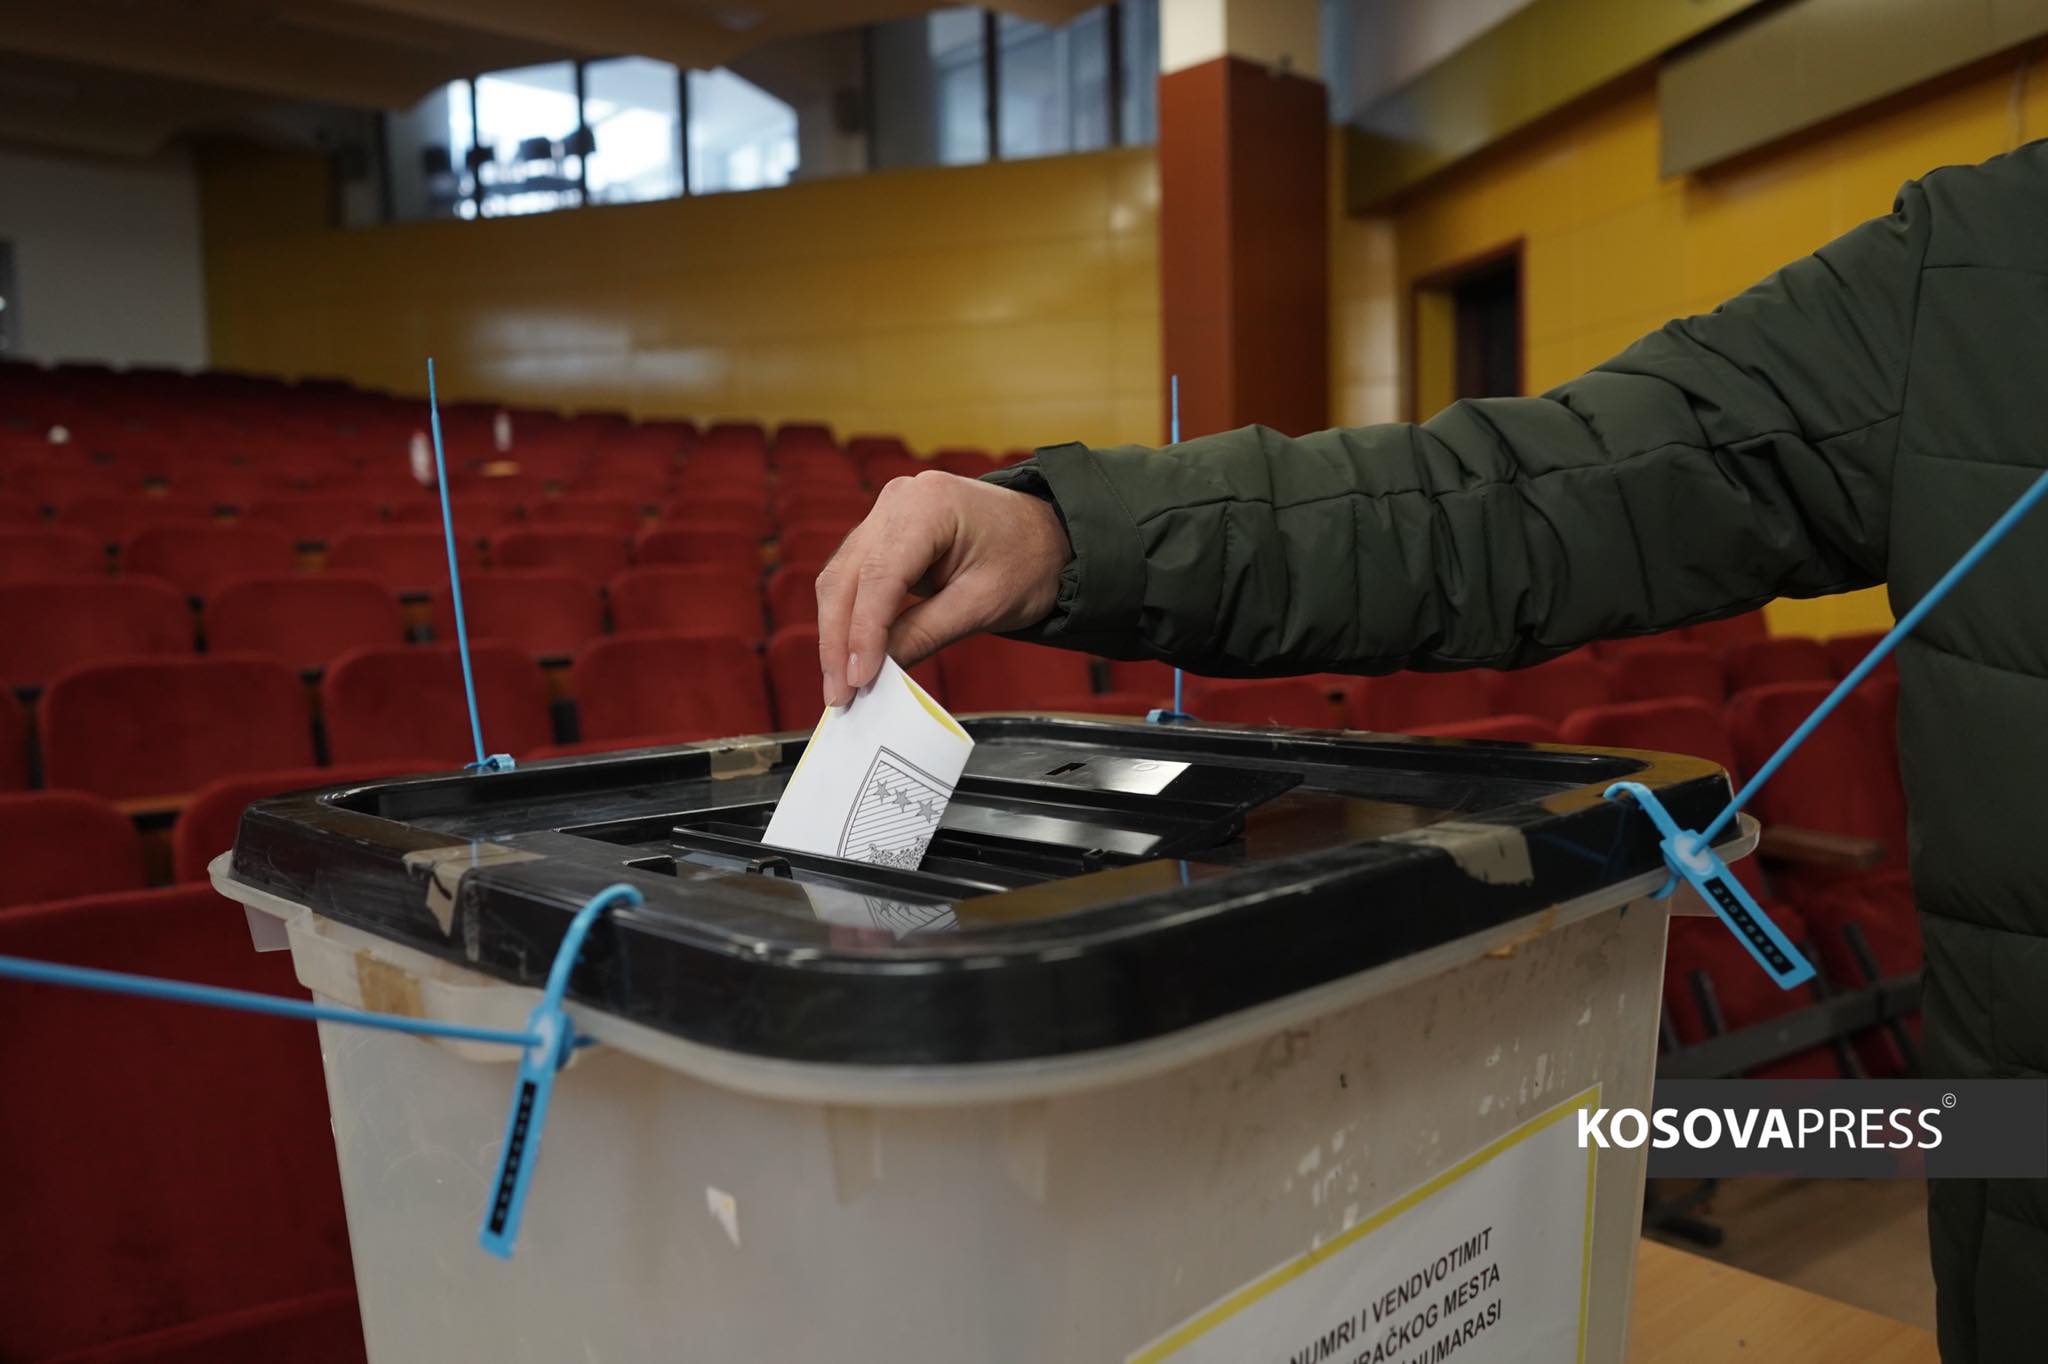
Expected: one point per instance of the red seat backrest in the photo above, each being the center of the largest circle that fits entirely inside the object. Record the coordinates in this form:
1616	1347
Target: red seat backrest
206	826
1673	725
797	686
311	518
793	594
153	727
692	542
406	559
48	551
406	703
1146	675
308	621
543	611
197	559
742	515
54	624
1842	779
1514	729
1653	672
114	519
614	513
1552	690
1291	701
171	1165
593	553
672	686
700	599
1398	702
55	845
13	743
1846	651
988	672
1783	658
813	542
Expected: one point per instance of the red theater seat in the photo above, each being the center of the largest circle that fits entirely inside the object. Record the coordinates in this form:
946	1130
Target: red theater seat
677	685
793	594
812	542
306	621
544	611
17	509
175	1193
1512	729
1846	651
1552	690
406	704
206	826
612	513
13	743
697	543
1842	780
47	552
798	688
1654	672
55	845
199	558
54	624
1398	702
1292	701
409	560
115	519
743	515
593	553
1146	675
1675	725
698	599
1784	658
988	672
310	519
156	727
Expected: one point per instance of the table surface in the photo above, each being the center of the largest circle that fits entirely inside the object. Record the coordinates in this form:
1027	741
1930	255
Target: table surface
1691	1310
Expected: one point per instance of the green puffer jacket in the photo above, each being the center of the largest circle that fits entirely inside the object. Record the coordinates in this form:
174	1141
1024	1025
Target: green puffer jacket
1860	417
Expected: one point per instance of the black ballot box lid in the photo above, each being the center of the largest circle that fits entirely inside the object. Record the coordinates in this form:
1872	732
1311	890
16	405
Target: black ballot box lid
1094	882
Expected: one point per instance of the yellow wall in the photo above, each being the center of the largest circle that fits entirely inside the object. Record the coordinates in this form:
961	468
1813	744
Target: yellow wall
1007	305
1612	250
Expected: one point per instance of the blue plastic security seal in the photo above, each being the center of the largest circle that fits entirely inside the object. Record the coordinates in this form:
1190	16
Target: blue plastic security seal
554	1039
1693	860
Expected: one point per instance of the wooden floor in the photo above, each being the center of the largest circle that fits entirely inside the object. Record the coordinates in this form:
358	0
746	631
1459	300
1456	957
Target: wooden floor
1860	1242
1690	1310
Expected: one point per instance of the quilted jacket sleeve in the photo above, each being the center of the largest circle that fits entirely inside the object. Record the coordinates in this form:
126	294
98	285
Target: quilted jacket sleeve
1717	463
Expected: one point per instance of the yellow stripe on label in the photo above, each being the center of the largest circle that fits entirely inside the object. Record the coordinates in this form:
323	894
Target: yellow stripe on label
938	711
1168	1346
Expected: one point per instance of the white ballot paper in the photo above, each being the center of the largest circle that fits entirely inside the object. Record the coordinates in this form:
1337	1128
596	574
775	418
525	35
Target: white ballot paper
874	781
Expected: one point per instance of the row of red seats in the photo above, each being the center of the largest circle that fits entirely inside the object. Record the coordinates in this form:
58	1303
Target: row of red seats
308	518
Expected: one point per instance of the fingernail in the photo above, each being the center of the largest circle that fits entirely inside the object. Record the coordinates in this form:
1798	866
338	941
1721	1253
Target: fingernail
831	687
853	670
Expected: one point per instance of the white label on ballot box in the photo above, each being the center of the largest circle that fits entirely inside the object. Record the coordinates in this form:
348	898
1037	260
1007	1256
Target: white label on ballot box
1487	1263
876	776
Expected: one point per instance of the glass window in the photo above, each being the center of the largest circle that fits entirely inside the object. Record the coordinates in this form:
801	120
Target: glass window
1053	86
1140	20
526	122
741	137
930	90
630	107
427	150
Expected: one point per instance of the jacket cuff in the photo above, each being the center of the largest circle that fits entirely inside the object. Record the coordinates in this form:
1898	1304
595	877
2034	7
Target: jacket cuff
1103	585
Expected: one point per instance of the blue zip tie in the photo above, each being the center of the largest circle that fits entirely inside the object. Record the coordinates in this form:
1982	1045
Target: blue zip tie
246	1001
1179	712
1691	858
496	762
554	1037
1691	855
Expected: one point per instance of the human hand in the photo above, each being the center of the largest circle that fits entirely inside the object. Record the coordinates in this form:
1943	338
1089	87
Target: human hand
982	556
